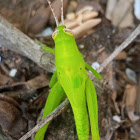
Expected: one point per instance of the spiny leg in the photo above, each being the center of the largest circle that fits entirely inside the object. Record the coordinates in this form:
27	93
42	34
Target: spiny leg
55	97
93	71
92	109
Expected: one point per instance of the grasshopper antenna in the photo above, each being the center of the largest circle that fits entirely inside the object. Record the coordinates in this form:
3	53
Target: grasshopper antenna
62	15
56	20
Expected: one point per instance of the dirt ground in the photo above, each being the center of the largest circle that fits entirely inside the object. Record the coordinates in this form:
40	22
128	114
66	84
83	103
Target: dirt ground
119	90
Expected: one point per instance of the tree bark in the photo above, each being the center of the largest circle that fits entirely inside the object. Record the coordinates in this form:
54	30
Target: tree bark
15	40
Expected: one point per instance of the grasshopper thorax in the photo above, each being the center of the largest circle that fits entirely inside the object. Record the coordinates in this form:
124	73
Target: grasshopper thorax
60	28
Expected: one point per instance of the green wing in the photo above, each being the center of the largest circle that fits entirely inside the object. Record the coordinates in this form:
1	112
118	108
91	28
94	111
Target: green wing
55	97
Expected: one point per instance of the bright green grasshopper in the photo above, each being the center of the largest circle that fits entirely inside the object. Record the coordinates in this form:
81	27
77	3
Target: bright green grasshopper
73	82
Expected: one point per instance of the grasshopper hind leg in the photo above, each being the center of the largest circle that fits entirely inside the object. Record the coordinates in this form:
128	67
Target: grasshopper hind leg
55	97
92	109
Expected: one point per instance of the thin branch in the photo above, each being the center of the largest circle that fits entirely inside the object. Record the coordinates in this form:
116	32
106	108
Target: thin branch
61	107
132	36
52	115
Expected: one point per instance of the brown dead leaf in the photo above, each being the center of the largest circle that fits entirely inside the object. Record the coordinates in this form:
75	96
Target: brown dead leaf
122	55
114	96
86	26
5	79
25	90
89	15
11	118
74	20
130	101
130	92
38	82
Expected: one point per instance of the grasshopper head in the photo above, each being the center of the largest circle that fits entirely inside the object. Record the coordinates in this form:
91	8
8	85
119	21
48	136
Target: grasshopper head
62	33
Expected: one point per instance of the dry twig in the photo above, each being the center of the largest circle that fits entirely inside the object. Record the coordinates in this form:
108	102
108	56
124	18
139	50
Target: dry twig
52	115
132	36
59	109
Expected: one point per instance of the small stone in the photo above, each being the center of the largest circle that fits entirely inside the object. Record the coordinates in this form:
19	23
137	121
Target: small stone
95	65
81	46
12	72
46	32
117	118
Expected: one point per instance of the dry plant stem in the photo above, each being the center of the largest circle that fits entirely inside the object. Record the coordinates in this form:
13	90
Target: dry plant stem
132	36
59	109
52	115
18	42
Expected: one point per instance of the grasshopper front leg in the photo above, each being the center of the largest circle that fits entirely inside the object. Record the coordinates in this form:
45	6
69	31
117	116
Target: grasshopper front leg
92	109
55	97
93	71
45	48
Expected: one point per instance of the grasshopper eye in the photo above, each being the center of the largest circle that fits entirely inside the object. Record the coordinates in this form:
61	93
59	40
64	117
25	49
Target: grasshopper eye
55	34
68	31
